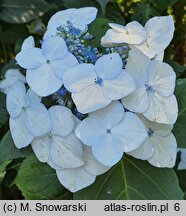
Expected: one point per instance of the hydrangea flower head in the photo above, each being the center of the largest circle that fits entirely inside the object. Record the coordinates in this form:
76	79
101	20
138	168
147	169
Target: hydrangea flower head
11	76
79	18
46	66
155	83
95	86
111	132
60	145
28	116
160	147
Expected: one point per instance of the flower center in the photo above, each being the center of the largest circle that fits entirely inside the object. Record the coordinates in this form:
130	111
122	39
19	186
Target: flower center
149	87
150	132
99	81
108	131
48	61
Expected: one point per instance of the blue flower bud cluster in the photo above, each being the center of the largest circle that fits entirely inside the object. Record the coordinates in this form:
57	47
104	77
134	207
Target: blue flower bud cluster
77	43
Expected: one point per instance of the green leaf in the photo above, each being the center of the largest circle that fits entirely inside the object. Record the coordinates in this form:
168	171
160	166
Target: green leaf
79	3
103	4
180	125
21	11
37	180
98	28
134	179
162	5
3	112
4	165
144	12
8	150
176	66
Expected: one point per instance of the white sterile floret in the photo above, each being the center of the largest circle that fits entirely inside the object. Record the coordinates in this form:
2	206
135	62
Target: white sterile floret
60	145
95	86
132	33
155	83
160	32
46	66
160	147
29	118
79	18
11	76
151	39
110	132
78	178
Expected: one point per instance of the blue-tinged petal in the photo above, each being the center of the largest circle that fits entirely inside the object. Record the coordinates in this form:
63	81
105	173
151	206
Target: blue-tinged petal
41	147
110	115
43	80
109	66
165	151
160	32
28	43
19	131
95	132
90	99
38	120
67	152
32	98
83	16
137	65
118	87
79	77
15	100
75	179
137	101
107	151
62	120
162	77
11	76
130	133
61	66
54	48
91	165
162	109
30	58
144	151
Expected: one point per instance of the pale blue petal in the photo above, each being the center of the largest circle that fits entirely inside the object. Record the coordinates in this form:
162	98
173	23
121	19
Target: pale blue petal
95	132
118	87
62	120
162	109
90	99
107	151
162	77
30	58
32	97
67	152
19	131
28	43
144	151
61	66
54	48
91	165
75	179
137	101
165	151
130	133
15	100
38	120
109	116
79	77
109	66
41	147
43	80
